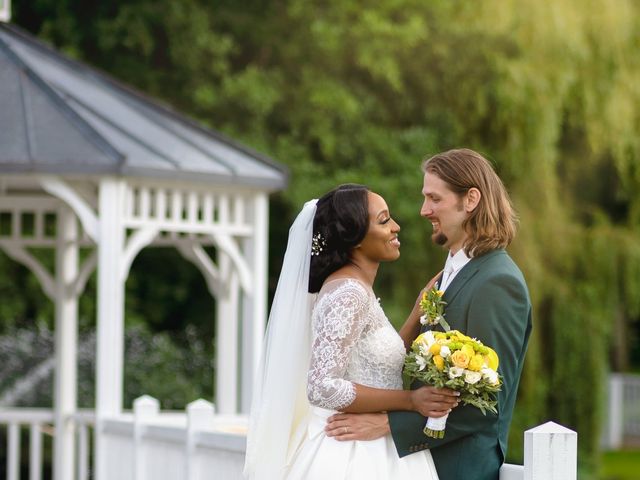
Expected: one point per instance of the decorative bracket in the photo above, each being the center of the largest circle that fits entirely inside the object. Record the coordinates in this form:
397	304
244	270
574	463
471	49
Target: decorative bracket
64	192
21	255
194	253
137	242
228	246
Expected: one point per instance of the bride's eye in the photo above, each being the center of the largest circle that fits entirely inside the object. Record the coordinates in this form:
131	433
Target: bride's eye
385	221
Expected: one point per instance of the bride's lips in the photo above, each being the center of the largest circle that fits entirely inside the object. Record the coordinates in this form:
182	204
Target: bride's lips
395	242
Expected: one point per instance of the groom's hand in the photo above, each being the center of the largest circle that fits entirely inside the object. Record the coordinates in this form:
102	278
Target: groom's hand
357	426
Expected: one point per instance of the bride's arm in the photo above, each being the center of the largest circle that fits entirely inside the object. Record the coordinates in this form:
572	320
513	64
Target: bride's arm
340	324
411	327
428	401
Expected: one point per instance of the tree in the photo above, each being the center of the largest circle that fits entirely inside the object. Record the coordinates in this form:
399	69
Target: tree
341	91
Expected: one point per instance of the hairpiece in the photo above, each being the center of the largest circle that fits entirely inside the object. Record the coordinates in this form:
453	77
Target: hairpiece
317	244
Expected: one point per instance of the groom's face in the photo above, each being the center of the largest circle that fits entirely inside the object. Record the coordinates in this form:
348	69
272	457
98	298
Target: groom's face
445	210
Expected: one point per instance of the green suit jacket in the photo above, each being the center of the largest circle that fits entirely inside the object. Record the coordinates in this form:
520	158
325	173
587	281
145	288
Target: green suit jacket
488	299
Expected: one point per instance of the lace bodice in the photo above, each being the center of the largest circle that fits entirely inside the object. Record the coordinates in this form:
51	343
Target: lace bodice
353	342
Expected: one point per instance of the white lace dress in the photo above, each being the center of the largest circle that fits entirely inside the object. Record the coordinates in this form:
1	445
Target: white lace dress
353	343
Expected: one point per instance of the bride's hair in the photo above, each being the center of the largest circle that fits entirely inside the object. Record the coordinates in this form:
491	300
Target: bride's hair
342	220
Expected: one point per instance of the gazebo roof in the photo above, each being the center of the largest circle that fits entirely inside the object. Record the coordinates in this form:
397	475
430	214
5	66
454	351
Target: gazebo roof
60	116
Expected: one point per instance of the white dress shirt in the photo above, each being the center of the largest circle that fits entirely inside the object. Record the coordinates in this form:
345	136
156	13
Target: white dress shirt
451	268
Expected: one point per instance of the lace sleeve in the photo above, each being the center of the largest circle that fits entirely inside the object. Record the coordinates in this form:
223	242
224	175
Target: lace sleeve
338	322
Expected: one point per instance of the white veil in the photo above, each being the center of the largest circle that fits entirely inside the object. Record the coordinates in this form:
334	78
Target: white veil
279	394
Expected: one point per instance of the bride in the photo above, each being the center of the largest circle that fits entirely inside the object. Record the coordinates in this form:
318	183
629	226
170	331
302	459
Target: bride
329	347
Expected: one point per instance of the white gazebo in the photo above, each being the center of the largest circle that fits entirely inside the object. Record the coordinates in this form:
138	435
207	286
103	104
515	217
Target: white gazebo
88	163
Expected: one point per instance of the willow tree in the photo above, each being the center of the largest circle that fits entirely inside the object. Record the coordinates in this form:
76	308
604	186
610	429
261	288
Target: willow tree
345	92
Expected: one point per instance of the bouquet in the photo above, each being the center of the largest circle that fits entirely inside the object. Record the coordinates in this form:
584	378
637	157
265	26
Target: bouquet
456	361
432	307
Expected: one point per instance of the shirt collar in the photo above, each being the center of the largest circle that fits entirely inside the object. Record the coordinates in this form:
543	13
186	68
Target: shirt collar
457	261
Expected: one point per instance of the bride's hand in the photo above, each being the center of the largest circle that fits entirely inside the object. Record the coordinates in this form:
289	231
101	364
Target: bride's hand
429	286
434	402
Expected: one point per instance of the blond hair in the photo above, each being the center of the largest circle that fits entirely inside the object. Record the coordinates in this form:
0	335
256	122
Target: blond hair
493	223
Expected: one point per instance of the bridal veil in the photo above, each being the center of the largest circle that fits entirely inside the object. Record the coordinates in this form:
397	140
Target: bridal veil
279	395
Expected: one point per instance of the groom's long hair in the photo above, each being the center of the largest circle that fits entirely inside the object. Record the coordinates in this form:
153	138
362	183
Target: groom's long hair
493	223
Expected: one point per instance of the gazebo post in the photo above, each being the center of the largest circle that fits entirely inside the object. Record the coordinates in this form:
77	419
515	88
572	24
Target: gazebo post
254	309
110	326
227	313
66	340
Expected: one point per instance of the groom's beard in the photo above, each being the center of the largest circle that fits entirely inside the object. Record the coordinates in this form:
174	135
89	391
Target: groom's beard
439	239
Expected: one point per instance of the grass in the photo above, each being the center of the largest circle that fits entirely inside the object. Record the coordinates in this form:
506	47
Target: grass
621	465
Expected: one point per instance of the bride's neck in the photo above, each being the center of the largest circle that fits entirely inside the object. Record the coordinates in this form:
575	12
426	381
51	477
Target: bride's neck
363	271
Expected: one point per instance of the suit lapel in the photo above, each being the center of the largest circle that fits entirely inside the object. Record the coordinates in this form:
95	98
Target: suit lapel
467	272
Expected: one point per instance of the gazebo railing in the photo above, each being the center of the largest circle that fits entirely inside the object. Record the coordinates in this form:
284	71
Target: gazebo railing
33	421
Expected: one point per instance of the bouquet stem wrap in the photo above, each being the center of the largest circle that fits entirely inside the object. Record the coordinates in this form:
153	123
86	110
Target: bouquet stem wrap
434	427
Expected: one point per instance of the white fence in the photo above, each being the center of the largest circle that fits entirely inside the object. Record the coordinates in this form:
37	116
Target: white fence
38	425
623	412
152	445
148	444
34	421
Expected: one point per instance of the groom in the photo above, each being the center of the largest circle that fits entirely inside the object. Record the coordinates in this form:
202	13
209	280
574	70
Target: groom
487	298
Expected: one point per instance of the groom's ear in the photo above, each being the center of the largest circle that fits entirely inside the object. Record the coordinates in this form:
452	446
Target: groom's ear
472	199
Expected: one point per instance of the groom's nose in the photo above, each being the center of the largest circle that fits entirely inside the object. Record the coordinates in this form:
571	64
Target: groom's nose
426	208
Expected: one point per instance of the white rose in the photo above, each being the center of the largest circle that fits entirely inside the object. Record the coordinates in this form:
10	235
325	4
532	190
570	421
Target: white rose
472	377
429	339
490	375
422	363
423	319
455	372
444	351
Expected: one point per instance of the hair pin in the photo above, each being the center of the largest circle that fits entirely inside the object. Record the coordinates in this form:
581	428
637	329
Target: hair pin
317	244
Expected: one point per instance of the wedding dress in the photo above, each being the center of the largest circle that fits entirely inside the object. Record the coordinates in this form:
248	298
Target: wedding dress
353	342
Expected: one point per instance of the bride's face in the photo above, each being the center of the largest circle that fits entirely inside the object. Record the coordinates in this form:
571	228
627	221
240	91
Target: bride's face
381	241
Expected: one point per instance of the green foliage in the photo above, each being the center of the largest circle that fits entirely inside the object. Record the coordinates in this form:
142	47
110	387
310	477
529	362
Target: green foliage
175	373
353	92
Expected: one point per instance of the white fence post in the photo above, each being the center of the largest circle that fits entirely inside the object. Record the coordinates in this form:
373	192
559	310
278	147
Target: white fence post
615	412
35	454
199	415
144	408
13	458
83	452
550	453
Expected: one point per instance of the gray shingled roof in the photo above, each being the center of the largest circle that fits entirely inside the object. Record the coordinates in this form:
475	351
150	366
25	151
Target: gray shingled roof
60	116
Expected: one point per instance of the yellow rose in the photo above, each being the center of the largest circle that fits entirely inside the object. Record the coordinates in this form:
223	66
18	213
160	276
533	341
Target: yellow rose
476	363
468	349
440	335
440	292
438	361
435	349
460	359
492	359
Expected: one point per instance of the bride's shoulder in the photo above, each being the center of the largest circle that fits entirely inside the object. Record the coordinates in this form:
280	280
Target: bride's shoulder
348	287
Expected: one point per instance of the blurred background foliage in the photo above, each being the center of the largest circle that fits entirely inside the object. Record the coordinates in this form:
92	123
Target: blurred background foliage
354	91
